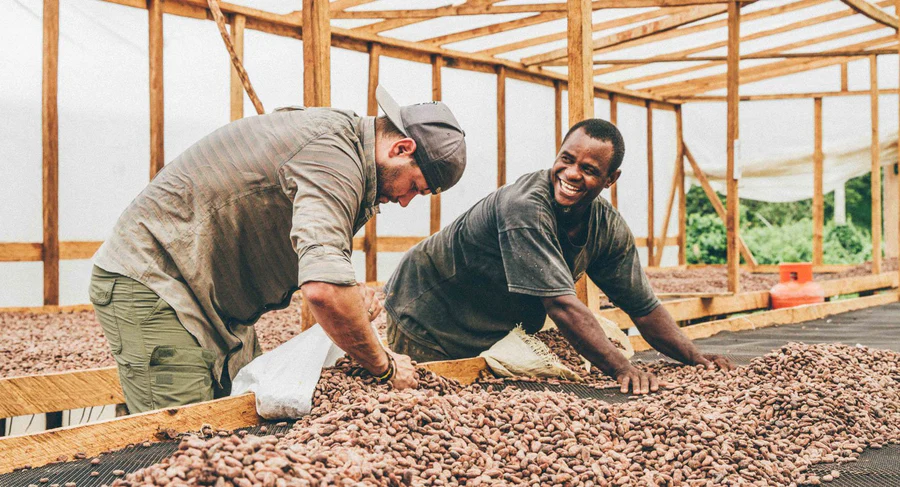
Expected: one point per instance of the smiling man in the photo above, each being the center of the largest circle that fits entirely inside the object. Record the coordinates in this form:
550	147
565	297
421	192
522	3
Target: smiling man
232	227
514	257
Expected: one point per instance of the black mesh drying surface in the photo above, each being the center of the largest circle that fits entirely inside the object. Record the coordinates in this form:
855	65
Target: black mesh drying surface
611	395
128	459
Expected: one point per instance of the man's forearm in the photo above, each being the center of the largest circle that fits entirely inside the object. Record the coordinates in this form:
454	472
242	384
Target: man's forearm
339	310
579	326
659	329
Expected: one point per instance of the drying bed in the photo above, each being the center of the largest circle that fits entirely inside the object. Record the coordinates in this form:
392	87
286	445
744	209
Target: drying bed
872	327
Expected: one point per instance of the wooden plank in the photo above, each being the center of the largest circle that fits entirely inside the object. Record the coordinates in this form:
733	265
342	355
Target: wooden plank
370	242
597	27
581	83
872	12
845	77
732	217
670	203
236	58
744	57
466	370
495	28
391	244
75	250
316	53
897	188
437	65
157	100
669	23
682	190
35	394
238	22
818	206
614	119
50	152
651	217
717	203
21	252
92	439
783	316
790	96
853	285
42	310
501	126
557	112
876	168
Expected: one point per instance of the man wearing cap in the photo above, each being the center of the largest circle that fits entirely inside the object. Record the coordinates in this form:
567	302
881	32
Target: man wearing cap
514	258
232	227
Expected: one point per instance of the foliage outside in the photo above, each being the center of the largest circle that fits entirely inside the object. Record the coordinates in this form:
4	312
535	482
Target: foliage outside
782	232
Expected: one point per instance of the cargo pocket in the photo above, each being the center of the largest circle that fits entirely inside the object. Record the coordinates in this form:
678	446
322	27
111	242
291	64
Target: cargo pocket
180	375
101	293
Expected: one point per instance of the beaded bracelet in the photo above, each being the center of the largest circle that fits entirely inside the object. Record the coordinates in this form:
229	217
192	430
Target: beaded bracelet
389	373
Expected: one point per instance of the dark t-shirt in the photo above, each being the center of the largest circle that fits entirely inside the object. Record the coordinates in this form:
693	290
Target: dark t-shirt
465	287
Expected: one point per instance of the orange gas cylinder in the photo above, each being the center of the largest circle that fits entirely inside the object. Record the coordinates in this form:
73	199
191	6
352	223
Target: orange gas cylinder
796	287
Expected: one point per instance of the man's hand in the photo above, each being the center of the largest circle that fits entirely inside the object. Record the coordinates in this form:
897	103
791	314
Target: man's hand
404	372
711	361
640	382
371	303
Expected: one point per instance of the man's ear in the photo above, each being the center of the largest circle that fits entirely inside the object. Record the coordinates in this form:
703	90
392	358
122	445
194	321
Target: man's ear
613	178
403	147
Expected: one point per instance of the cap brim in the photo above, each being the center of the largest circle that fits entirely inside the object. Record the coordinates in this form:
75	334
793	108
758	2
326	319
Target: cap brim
390	108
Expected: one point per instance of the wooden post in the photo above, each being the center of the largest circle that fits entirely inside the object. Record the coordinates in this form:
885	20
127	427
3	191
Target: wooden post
581	81
437	62
845	77
238	22
557	99
651	241
732	216
370	242
501	126
316	53
614	119
818	196
155	28
50	152
897	11
316	77
876	168
682	191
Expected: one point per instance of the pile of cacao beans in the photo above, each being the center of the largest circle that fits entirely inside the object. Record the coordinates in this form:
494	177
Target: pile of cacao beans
763	424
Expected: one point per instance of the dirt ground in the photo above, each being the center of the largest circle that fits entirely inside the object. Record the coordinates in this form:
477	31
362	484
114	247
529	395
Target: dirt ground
44	343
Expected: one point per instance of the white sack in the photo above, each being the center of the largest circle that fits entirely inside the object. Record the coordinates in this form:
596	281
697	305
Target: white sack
285	378
519	354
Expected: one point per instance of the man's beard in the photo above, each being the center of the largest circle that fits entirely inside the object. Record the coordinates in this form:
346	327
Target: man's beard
384	178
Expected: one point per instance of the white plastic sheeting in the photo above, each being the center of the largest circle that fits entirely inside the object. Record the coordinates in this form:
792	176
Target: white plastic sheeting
104	115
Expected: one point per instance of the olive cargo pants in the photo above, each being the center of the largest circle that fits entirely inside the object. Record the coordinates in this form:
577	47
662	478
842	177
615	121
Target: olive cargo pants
160	363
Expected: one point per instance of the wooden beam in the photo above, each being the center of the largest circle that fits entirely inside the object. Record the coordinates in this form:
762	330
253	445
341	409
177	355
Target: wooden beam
614	119
31	252
437	64
316	53
871	11
788	96
670	203
35	394
897	11
682	190
557	112
92	439
157	100
391	244
370	242
645	30
651	222
581	84
818	206
339	5
495	28
238	22
845	77
50	151
732	215
716	203
746	57
782	316
501	126
876	168
597	27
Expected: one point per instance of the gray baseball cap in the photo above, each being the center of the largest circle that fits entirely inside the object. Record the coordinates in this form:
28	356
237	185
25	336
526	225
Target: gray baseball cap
440	141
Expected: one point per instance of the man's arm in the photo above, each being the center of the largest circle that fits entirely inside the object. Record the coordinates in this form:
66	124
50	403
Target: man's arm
340	312
663	334
581	329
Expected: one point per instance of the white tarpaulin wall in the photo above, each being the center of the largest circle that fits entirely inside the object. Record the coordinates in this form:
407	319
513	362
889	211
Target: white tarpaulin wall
104	117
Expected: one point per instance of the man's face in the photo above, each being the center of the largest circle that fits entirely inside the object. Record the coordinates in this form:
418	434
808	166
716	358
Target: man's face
399	178
581	170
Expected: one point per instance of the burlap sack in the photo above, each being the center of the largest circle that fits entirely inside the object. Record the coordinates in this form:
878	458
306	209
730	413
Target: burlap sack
520	354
